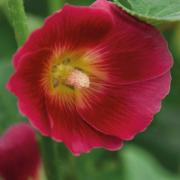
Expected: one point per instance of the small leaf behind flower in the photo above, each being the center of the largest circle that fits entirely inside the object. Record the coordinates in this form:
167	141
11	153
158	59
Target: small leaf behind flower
152	11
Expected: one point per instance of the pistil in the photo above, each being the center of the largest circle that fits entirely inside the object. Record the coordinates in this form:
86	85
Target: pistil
69	76
78	79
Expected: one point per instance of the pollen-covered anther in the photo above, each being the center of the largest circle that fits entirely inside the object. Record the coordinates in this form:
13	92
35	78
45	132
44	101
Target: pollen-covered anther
78	79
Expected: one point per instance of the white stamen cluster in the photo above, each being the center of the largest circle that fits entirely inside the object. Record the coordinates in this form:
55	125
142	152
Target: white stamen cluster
78	79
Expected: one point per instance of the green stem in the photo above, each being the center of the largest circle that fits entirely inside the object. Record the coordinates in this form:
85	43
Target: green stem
18	20
55	5
50	158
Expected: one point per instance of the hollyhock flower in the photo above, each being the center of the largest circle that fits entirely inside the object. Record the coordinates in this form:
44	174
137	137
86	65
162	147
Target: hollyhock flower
19	154
92	76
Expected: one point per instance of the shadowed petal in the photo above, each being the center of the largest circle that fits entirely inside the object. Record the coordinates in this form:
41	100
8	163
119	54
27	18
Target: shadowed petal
79	137
126	110
133	51
25	84
19	154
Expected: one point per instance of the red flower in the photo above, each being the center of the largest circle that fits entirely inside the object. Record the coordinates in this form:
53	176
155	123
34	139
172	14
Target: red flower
19	154
92	76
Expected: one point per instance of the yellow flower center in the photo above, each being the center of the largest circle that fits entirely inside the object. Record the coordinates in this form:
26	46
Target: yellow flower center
67	73
69	76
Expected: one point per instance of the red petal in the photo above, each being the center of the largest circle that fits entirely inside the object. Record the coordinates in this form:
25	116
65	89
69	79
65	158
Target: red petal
25	84
59	122
133	51
126	110
72	27
19	153
67	125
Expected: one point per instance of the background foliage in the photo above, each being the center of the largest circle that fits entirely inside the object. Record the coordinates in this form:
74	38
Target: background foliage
159	11
154	154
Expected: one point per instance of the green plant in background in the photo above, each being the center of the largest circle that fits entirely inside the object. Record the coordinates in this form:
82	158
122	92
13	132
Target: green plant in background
161	141
154	12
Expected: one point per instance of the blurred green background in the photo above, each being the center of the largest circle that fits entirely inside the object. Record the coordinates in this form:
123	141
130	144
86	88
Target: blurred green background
152	155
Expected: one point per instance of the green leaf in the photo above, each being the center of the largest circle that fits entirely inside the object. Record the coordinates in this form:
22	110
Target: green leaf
2	2
152	11
161	139
139	164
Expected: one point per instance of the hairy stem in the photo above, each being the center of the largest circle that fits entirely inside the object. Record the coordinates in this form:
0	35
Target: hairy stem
50	158
19	20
